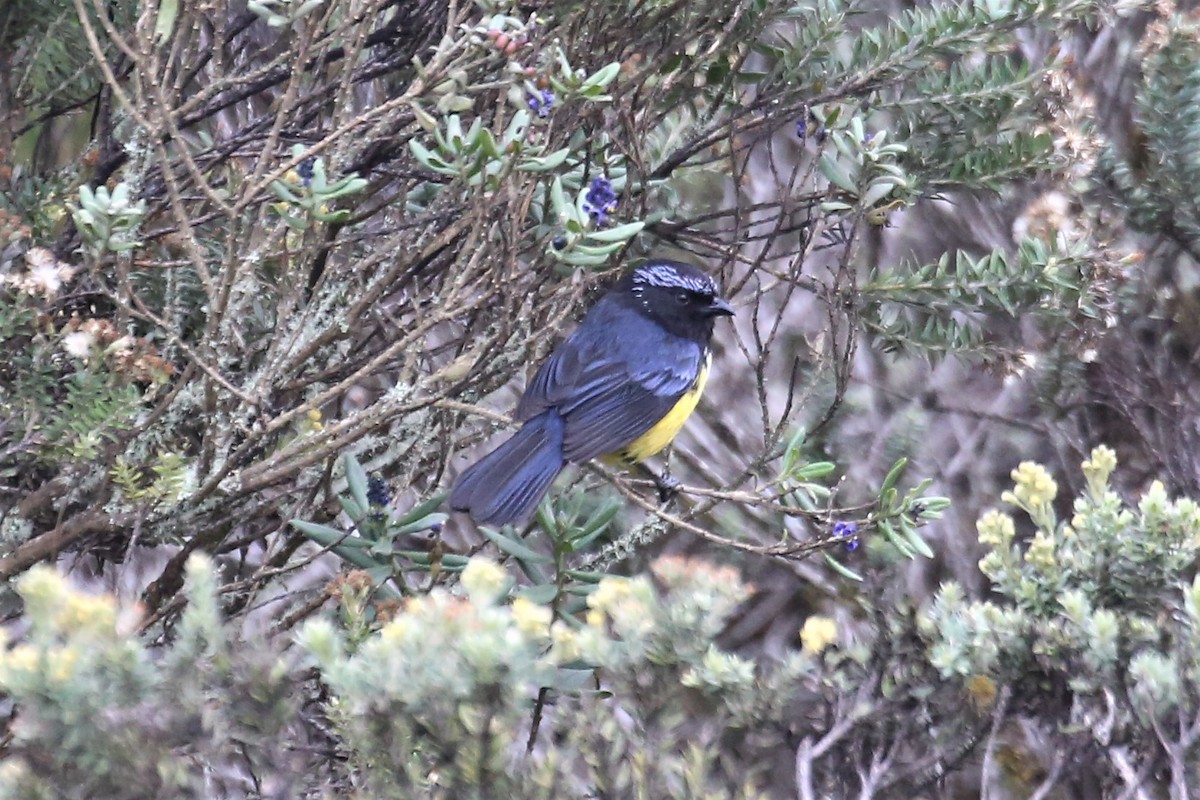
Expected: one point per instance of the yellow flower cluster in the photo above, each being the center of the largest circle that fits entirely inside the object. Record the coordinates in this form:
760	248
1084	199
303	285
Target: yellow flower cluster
28	664
1099	467
397	629
63	620
682	572
475	620
94	614
818	633
314	421
565	644
1041	551
626	602
484	580
530	618
1034	486
53	604
995	529
712	591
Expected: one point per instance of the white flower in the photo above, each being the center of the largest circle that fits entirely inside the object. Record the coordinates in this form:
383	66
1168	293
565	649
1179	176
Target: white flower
78	343
484	580
46	273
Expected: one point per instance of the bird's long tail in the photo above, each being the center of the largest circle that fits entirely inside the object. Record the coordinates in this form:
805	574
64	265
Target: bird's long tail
507	484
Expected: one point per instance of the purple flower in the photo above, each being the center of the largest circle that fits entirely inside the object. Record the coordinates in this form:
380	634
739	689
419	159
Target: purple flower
801	127
540	103
847	531
305	170
377	492
600	200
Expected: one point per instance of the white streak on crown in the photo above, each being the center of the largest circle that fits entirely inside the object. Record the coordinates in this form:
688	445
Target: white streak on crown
667	277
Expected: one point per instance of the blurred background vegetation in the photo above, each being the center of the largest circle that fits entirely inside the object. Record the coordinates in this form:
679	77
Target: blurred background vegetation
271	272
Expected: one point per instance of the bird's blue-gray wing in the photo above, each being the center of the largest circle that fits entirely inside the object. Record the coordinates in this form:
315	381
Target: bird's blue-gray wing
605	401
611	380
555	380
621	407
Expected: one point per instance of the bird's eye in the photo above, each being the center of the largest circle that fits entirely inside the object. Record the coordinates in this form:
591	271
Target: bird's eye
683	298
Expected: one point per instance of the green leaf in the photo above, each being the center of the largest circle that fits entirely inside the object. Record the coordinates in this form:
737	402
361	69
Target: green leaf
913	537
351	184
898	541
620	233
321	534
514	548
542	595
791	451
356	480
425	157
545	163
88	201
583	259
381	549
932	507
422	524
424	118
356	556
559	87
879	189
335	217
571	680
516	128
487	144
598	250
545	517
570	606
841	568
602	77
586	576
449	561
353	510
471	139
294	222
595	526
283	192
558	199
422	509
814	470
454	133
889	481
835	174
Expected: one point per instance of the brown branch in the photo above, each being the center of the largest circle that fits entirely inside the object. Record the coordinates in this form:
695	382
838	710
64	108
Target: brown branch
51	543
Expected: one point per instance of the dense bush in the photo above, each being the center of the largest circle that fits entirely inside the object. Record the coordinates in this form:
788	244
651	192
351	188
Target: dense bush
478	691
267	267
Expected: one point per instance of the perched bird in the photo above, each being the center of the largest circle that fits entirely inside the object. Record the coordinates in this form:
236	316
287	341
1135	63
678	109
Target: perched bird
621	385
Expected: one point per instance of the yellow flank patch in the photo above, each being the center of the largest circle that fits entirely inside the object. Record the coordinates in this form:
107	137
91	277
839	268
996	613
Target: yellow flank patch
665	430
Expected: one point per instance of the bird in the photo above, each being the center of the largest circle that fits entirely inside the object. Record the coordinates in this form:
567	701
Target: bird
619	387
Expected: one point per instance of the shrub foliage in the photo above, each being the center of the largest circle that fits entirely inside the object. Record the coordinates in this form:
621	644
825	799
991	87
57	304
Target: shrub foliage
264	265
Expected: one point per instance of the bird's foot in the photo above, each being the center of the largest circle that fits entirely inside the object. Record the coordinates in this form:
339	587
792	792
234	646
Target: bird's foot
667	486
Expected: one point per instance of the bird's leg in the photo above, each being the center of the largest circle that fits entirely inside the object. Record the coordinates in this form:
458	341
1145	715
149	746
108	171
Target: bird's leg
668	486
665	483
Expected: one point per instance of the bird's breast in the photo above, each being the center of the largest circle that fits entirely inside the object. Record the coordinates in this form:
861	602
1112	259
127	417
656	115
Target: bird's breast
664	431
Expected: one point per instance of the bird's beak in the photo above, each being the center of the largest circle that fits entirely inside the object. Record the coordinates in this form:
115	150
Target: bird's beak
720	308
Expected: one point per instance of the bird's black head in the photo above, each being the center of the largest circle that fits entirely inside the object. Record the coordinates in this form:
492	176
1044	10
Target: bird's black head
677	296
